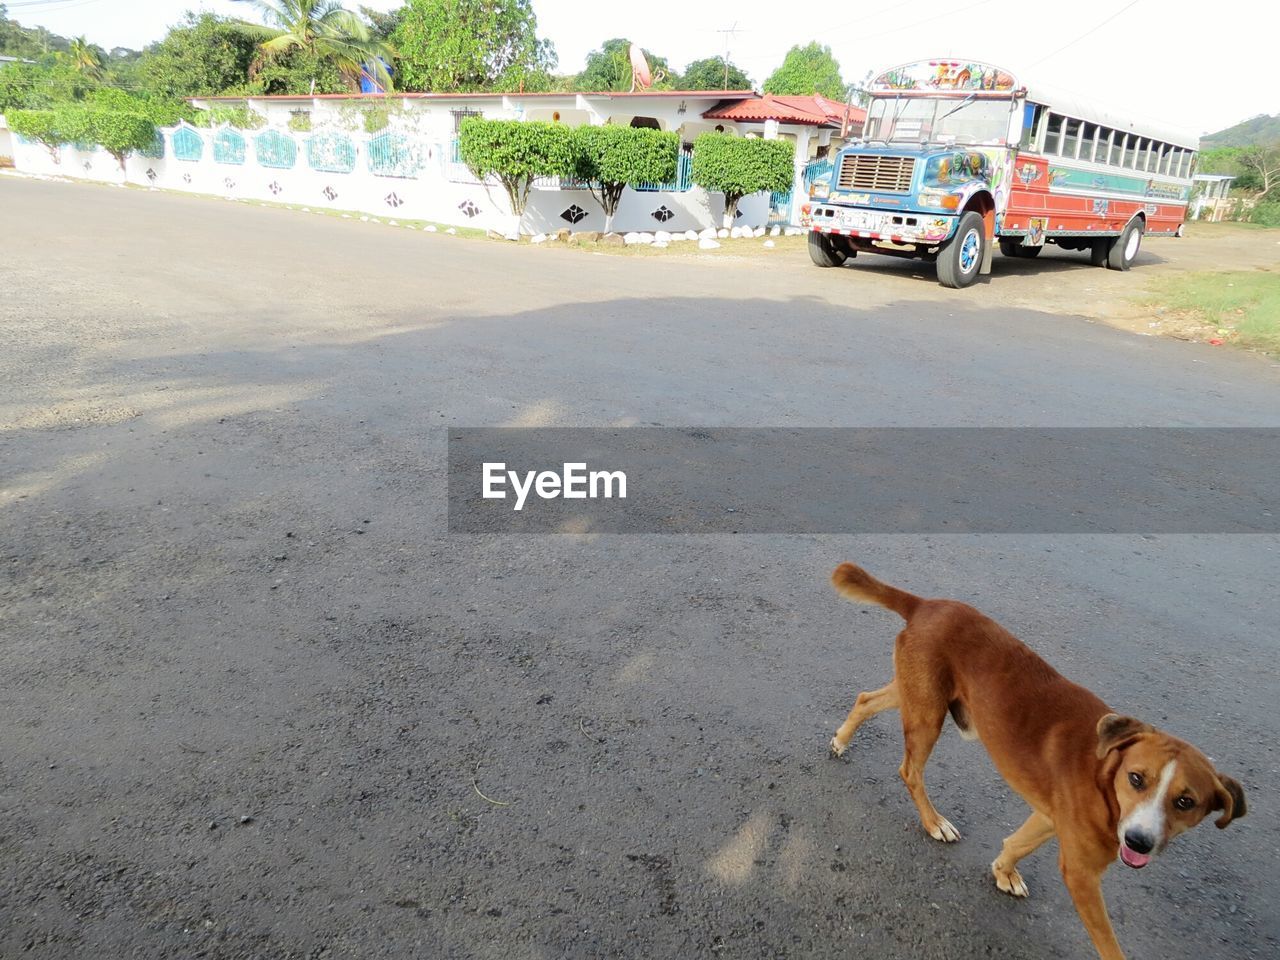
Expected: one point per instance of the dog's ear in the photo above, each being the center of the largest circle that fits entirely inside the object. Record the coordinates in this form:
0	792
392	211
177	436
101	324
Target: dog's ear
1229	798
1116	732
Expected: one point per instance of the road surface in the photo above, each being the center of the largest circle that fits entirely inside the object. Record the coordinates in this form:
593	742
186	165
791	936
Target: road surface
256	702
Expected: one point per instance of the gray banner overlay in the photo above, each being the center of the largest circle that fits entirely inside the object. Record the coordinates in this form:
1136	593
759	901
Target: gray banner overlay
898	480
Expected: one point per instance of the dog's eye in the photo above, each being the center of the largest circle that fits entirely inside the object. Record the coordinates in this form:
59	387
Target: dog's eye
1137	780
1185	803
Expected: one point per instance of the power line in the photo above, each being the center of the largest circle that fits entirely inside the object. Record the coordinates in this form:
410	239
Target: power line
1087	33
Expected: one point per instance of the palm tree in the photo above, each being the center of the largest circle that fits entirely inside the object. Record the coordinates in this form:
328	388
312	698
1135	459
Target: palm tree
84	57
326	31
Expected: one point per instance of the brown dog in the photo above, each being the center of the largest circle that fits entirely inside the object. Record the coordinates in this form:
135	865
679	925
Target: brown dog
1106	785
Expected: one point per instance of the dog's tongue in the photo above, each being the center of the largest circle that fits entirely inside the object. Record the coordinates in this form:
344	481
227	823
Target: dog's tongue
1133	858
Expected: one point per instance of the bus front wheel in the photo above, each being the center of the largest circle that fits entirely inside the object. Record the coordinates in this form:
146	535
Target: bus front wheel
823	250
1125	249
960	261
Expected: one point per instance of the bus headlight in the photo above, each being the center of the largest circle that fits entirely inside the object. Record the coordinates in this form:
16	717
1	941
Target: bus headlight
935	198
820	189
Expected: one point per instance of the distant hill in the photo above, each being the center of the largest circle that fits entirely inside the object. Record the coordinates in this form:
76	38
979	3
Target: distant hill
1260	129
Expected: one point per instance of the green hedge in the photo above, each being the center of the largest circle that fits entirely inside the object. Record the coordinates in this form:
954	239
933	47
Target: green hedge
516	152
118	133
611	157
741	166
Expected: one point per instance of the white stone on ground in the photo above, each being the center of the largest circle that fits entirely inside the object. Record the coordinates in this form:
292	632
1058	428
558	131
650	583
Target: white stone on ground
793	231
722	233
538	238
759	231
430	228
769	243
451	230
661	236
691	234
707	234
706	243
661	244
776	231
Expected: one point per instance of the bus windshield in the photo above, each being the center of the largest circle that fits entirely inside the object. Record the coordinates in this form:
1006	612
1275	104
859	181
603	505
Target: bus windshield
916	119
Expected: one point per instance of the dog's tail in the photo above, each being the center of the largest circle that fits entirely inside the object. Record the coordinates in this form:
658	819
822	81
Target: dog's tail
858	585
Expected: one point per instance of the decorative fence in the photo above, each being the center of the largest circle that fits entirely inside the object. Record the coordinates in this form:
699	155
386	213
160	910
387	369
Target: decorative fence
390	172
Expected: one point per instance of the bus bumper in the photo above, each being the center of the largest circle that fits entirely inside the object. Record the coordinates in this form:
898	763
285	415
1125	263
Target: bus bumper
890	226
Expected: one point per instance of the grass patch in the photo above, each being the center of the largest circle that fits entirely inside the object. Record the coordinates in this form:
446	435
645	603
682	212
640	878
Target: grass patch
1240	307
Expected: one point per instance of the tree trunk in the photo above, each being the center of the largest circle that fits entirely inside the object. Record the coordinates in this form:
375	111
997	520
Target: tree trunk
730	209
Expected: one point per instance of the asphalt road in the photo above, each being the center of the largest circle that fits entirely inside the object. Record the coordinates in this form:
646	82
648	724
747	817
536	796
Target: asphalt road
255	702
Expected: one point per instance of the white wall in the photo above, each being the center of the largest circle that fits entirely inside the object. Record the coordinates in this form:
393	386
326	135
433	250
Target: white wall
439	192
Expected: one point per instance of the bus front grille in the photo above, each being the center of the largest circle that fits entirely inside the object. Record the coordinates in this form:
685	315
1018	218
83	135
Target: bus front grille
874	172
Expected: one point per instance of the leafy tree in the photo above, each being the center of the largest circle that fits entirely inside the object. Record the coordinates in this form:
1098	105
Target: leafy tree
161	112
714	73
119	133
741	166
609	68
297	71
31	43
449	46
49	127
1263	161
203	56
324	32
611	157
382	25
516	152
38	86
807	70
84	57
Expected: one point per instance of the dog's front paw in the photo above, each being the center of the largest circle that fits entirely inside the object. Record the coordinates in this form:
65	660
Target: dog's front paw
1010	881
838	748
943	830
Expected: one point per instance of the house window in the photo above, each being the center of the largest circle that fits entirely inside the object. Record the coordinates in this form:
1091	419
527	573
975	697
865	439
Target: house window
459	116
647	123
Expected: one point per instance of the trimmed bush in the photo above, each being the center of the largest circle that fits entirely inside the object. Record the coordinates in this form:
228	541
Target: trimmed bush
516	153
741	166
611	157
118	133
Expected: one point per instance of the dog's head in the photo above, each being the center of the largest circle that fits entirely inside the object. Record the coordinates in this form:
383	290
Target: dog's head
1163	786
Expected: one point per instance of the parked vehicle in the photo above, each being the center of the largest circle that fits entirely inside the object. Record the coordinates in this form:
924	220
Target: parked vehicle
958	157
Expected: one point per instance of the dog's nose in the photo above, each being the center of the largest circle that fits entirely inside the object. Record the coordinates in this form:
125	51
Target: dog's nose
1138	841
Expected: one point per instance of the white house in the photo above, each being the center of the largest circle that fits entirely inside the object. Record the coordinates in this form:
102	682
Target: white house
396	155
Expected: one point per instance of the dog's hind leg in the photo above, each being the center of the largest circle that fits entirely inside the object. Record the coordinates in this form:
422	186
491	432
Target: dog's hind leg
866	706
920	732
1023	841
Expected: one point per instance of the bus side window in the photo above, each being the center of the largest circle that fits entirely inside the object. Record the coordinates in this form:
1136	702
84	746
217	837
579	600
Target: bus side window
1053	141
1032	121
1126	152
1070	138
1108	152
1166	159
1088	140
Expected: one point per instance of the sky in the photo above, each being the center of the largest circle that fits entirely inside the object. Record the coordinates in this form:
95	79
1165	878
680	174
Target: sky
1195	66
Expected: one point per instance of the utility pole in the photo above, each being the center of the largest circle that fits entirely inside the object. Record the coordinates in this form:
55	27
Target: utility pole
728	33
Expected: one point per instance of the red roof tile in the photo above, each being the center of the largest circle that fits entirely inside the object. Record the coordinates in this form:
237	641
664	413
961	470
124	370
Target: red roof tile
815	109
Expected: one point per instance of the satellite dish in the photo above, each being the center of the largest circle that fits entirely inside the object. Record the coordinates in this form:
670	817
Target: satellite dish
642	77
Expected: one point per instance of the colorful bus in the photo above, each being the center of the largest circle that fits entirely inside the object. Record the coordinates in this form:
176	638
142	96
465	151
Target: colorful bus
958	157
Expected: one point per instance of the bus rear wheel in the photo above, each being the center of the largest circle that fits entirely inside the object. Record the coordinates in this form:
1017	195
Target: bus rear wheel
960	261
1125	248
1015	248
823	250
